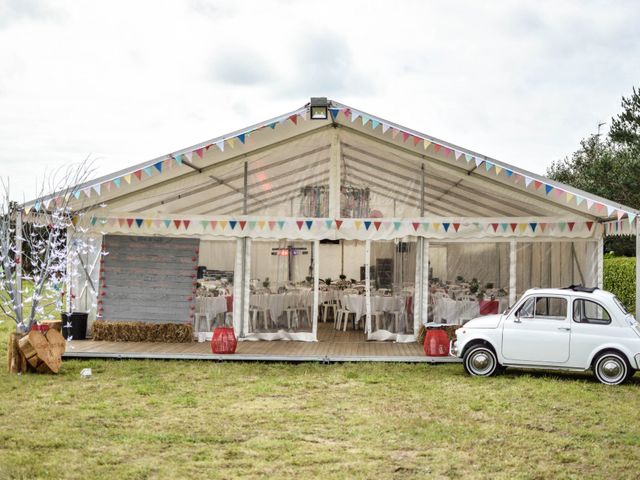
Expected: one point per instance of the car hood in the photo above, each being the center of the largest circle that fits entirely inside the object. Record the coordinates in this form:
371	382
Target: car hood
488	321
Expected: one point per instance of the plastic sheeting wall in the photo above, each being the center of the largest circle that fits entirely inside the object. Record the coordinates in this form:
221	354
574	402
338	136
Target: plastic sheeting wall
281	299
556	264
487	262
392	293
333	262
218	255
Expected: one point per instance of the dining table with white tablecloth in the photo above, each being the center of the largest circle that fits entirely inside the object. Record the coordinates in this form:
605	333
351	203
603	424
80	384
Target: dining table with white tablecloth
447	310
277	303
379	303
213	306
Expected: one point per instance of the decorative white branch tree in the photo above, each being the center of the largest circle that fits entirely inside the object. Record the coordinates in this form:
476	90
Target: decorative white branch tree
45	241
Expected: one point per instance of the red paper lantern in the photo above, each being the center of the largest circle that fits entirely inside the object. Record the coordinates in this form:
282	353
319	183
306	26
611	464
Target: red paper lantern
224	340
436	343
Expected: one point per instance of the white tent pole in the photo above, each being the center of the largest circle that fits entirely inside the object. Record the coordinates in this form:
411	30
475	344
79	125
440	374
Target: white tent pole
316	287
244	320
421	292
600	261
425	280
637	270
246	291
513	262
238	289
367	284
334	175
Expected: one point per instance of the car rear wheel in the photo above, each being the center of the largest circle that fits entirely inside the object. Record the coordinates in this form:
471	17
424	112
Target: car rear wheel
480	361
611	368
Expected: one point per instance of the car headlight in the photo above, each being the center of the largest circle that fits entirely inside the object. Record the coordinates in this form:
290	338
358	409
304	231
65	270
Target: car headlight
453	348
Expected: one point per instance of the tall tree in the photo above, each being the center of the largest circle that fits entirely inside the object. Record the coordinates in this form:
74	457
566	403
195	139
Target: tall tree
625	128
610	166
47	241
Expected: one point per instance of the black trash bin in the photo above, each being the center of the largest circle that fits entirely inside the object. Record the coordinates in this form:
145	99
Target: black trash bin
74	325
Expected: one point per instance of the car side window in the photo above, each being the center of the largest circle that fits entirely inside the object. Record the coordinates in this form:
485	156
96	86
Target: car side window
551	307
587	311
544	307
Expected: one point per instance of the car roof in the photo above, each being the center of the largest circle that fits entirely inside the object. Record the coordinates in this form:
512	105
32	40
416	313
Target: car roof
597	293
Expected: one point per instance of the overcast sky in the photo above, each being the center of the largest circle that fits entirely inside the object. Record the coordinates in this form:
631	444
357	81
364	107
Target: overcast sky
126	81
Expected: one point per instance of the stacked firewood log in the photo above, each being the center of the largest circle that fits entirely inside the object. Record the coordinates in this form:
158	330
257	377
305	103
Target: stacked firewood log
37	351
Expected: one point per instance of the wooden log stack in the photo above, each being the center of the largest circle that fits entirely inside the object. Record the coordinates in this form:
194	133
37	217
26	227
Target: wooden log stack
37	351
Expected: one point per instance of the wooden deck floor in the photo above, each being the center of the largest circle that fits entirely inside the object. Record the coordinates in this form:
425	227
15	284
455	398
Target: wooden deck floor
332	346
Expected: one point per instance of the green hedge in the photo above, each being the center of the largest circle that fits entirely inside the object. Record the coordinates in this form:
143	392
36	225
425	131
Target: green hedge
620	279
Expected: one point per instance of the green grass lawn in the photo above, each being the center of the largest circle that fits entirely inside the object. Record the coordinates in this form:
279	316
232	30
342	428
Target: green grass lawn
171	419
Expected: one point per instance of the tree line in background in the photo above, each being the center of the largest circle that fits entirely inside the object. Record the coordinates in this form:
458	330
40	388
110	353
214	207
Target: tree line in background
609	166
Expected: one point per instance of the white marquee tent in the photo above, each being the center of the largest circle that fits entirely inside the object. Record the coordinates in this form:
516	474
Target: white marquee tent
413	216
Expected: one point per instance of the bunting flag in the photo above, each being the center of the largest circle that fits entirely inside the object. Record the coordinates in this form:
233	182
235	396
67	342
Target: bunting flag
160	166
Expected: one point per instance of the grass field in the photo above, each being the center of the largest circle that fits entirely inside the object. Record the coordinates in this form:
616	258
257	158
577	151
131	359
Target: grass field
169	419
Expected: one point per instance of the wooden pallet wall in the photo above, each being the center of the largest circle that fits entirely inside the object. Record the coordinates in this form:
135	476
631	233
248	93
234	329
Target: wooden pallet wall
148	279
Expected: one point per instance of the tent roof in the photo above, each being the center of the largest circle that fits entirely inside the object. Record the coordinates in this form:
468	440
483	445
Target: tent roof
208	177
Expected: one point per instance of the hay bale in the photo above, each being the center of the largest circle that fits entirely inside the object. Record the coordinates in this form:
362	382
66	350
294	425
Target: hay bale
142	332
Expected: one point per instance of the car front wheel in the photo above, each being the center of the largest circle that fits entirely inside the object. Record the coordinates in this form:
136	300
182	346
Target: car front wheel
480	361
611	368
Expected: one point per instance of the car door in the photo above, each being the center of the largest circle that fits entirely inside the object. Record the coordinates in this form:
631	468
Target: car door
591	327
539	331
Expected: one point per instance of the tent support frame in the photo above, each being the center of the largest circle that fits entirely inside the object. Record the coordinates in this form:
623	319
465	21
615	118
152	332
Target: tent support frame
541	200
637	270
600	261
513	272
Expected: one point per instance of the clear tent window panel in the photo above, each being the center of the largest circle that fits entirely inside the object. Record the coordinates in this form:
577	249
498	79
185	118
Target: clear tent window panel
467	280
292	180
377	182
215	284
392	278
281	286
556	264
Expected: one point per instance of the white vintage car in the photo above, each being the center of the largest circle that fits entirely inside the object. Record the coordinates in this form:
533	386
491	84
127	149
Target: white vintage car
575	328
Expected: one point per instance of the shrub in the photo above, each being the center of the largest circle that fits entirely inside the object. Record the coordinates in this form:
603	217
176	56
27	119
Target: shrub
620	279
